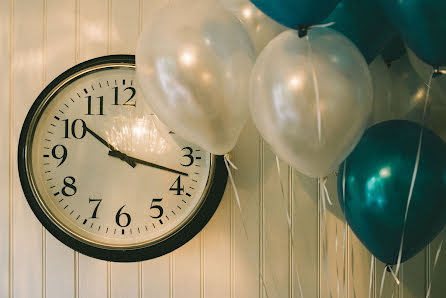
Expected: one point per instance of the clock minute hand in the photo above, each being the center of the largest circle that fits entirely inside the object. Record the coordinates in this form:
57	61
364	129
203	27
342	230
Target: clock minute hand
118	154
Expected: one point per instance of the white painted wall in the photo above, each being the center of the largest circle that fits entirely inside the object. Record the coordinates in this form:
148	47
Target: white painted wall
41	38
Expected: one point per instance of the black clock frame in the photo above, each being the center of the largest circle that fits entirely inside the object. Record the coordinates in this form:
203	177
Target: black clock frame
217	186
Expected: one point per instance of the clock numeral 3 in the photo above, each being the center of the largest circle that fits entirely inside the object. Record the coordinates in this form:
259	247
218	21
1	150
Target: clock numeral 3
95	211
128	102
178	189
75	131
101	105
69	189
119	217
189	156
157	207
57	156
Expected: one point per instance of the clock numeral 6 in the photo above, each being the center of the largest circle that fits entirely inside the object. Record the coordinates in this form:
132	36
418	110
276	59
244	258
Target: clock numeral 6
178	189
75	131
57	156
95	211
189	156
69	189
157	207
120	215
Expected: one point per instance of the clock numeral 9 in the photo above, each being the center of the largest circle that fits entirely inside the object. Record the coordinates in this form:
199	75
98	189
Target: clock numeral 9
95	211
189	156
75	131
119	219
127	103
69	189
179	190
157	207
57	156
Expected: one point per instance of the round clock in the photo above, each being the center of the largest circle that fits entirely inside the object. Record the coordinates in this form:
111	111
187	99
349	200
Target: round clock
104	175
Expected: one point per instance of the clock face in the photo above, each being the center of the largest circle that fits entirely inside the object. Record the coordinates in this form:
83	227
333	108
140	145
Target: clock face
104	175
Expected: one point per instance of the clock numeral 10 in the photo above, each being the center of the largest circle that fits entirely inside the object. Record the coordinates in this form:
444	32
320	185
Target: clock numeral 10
123	219
74	131
128	102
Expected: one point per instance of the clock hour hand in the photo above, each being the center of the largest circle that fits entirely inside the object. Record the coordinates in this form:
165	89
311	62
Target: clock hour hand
118	154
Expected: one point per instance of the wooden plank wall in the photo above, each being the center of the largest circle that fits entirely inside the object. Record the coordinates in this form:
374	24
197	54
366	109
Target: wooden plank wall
38	40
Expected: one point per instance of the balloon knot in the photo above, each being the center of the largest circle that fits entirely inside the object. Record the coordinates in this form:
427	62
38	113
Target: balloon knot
437	73
302	30
389	268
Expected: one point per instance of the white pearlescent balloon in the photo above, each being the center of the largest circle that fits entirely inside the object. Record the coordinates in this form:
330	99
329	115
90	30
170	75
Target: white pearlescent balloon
382	91
193	64
311	99
261	28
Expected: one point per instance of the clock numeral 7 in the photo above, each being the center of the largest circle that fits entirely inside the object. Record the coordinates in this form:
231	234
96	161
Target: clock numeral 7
157	207
95	211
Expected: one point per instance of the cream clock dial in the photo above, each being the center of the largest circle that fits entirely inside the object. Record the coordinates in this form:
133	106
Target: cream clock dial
104	175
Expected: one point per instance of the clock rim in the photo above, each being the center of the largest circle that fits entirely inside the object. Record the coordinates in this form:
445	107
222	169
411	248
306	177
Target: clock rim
216	188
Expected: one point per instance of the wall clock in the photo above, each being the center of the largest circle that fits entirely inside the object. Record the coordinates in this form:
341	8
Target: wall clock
104	175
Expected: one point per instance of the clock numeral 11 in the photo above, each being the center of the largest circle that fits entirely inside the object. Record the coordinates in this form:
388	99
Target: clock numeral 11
101	105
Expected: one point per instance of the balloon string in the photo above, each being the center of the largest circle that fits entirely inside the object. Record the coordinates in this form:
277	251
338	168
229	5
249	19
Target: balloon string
393	275
322	25
316	90
382	282
322	182
372	262
345	227
228	163
415	171
437	256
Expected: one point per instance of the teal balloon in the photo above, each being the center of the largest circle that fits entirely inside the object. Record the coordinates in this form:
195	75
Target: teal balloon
296	13
378	175
365	23
422	24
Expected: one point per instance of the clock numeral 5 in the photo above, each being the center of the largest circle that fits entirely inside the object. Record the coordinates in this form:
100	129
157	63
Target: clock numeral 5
95	211
179	190
57	156
119	217
128	102
75	131
69	189
157	207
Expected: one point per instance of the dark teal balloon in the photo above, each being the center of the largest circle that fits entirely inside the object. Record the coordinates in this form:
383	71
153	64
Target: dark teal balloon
378	176
365	23
295	13
422	24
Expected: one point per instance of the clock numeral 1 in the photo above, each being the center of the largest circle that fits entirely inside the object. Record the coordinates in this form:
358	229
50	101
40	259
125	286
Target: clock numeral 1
178	189
119	217
101	105
69	189
157	207
95	211
128	102
75	131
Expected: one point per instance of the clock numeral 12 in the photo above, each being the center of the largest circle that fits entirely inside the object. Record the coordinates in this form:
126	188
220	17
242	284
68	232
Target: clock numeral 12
127	103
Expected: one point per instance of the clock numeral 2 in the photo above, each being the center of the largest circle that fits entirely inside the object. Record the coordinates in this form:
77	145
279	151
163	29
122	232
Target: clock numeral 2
157	207
95	211
178	189
69	189
119	217
101	105
128	102
75	131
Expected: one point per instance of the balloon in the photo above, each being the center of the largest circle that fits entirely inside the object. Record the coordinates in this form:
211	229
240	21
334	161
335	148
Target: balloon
293	13
394	50
193	64
364	22
260	27
422	26
378	176
382	91
314	134
409	92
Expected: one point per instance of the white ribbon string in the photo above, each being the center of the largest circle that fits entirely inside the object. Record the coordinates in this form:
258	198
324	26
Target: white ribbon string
372	263
227	163
394	275
415	171
437	256
322	182
345	227
322	25
382	282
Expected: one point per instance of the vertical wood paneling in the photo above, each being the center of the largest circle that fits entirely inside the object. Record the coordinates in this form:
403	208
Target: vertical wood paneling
59	56
186	269
28	81
5	54
246	256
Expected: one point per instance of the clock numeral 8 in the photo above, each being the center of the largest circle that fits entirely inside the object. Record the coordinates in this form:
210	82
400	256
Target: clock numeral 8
69	189
119	216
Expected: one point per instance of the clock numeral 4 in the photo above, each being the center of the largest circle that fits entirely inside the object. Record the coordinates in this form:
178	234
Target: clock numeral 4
69	189
157	207
55	154
101	105
129	101
189	156
75	129
178	189
123	219
95	211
